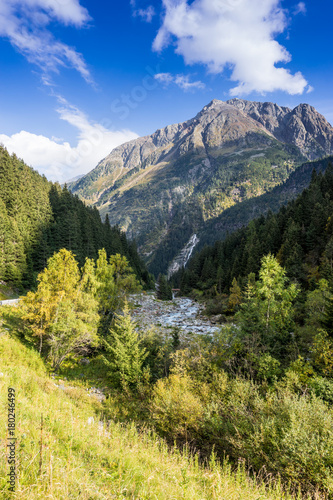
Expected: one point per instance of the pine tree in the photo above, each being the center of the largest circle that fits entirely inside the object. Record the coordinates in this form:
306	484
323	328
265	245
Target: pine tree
38	218
328	316
3	238
327	261
164	291
124	355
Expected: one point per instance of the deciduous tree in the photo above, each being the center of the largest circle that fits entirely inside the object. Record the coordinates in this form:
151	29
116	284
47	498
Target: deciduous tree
63	310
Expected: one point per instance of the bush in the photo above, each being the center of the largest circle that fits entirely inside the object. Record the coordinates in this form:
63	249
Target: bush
288	434
323	388
176	410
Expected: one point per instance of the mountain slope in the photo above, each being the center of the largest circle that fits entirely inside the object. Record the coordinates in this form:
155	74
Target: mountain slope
165	187
38	218
300	234
241	214
66	449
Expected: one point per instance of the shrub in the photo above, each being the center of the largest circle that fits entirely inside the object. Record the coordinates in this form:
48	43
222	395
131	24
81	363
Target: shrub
175	407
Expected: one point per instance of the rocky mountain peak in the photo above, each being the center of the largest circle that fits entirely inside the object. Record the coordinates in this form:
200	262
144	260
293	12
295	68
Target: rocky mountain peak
236	122
162	188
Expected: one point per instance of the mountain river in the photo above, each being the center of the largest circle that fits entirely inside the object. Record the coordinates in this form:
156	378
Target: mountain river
180	312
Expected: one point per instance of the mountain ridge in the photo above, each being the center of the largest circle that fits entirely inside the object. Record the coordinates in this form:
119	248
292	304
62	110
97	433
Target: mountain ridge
185	174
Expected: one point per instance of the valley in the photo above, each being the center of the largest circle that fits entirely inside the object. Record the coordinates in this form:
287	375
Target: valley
235	206
164	188
166	250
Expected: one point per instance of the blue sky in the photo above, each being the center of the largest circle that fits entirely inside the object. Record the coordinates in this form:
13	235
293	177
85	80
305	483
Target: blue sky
79	77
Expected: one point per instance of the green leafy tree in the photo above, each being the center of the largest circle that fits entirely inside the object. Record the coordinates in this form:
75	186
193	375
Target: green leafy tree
267	311
124	278
235	296
124	354
115	280
63	310
276	304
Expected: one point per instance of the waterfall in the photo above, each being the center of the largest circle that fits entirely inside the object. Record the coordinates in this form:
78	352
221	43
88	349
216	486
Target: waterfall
183	256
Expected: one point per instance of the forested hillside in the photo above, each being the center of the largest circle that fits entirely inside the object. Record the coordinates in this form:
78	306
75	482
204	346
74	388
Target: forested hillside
37	218
241	214
300	235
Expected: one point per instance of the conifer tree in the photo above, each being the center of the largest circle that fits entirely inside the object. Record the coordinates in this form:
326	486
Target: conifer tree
164	291
3	238
328	316
248	317
38	218
316	304
124	355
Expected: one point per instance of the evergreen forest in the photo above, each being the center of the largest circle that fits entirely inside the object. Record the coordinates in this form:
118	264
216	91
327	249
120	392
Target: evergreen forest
300	235
38	218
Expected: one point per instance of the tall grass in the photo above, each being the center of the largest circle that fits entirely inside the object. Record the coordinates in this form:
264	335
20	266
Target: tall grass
63	451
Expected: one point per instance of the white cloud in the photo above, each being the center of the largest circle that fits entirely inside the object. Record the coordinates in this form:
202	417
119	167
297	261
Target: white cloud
146	14
24	23
66	11
235	34
56	158
164	78
183	81
300	8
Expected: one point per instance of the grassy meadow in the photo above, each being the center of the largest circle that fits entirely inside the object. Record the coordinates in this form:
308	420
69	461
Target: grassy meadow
64	451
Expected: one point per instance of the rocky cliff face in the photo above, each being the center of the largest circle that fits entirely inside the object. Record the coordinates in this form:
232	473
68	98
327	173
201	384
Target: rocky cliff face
162	188
302	126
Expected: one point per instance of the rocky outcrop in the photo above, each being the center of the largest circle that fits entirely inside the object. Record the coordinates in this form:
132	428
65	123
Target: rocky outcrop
219	124
302	126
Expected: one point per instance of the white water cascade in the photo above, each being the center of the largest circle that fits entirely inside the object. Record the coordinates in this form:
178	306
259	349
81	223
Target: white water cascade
183	256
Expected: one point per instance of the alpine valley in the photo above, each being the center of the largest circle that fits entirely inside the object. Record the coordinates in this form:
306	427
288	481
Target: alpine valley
193	182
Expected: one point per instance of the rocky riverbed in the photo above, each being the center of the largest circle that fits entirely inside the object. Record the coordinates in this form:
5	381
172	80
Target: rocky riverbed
181	312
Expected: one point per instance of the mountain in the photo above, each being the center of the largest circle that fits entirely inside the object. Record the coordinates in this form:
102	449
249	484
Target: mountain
300	234
240	214
38	218
74	179
162	189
